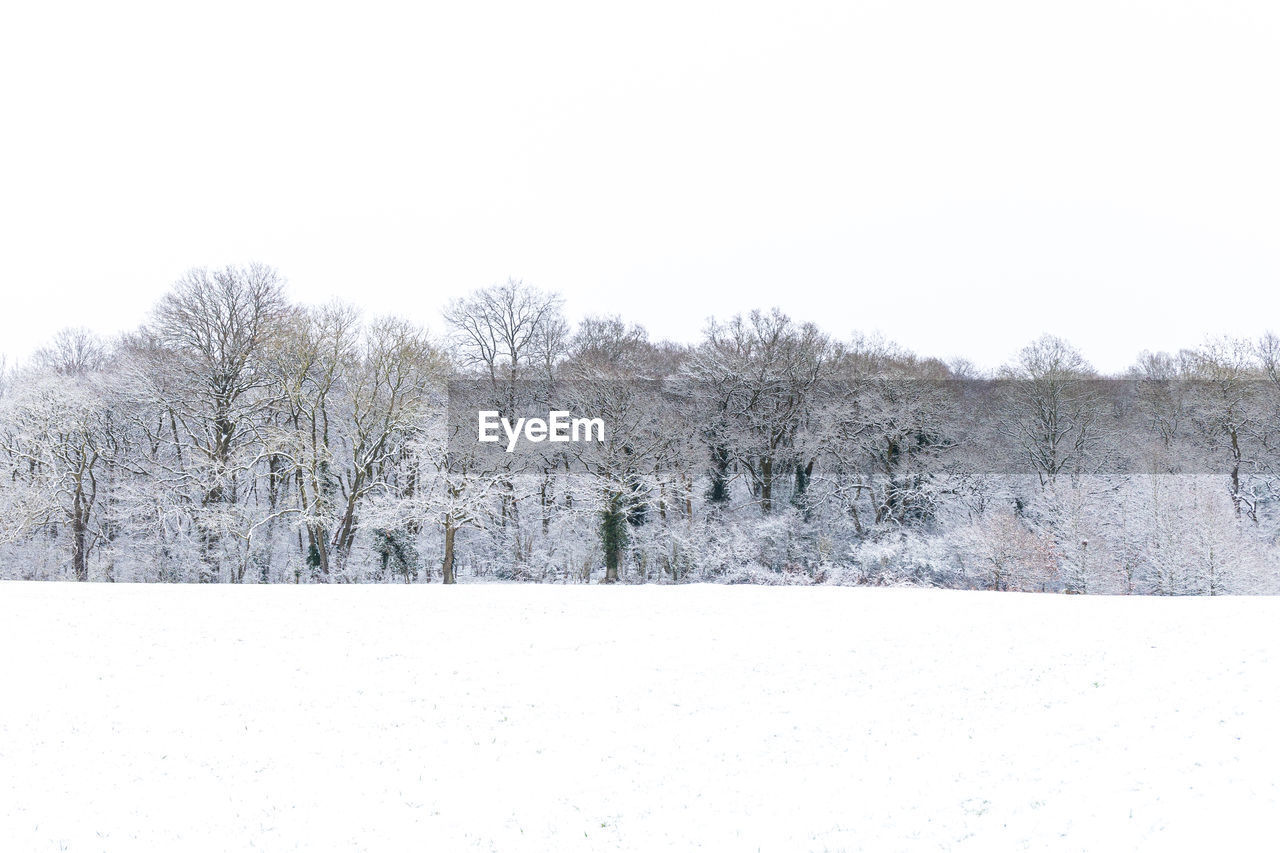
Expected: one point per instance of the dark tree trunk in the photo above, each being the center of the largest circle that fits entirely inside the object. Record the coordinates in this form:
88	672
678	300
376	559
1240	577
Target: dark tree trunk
719	492
613	534
79	550
766	485
447	566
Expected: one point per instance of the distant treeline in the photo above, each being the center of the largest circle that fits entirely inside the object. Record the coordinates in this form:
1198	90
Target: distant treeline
238	437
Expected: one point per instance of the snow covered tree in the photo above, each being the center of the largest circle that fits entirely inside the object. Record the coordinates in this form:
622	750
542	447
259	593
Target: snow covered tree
59	437
211	333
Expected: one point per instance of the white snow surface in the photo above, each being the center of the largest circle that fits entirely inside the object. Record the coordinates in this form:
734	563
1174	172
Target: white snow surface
519	717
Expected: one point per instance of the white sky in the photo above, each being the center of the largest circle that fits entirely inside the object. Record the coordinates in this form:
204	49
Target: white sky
959	176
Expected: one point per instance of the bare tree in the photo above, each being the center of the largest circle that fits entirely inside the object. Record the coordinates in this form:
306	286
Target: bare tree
512	335
308	359
1053	409
1225	376
507	332
385	385
73	352
212	330
59	438
758	374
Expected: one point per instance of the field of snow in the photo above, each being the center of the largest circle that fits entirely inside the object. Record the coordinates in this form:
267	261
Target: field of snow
503	717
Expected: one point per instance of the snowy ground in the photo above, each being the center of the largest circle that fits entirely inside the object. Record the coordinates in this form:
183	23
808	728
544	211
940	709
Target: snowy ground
171	718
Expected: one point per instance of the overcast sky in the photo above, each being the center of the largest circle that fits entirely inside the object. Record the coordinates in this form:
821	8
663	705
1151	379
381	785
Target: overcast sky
961	176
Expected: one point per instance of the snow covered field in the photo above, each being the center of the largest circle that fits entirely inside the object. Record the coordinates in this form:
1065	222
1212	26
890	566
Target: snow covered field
490	717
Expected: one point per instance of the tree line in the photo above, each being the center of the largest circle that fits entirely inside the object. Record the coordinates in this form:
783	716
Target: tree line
238	437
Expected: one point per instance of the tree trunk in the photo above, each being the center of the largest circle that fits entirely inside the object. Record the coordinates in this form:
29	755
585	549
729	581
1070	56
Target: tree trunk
545	499
79	552
447	566
719	475
766	485
345	535
613	534
1235	471
317	553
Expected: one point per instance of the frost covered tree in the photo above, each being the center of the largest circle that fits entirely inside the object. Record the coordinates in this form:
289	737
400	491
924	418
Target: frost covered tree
1224	378
758	374
1052	413
1006	554
510	336
59	438
507	333
238	436
208	371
